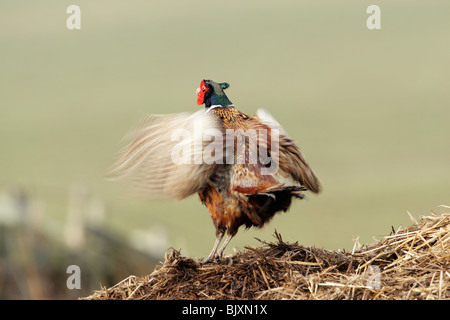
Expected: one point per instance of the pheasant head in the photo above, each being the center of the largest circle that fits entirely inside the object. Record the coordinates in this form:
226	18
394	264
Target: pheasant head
212	94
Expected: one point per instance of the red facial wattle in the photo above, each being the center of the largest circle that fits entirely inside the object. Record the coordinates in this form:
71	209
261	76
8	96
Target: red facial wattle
201	93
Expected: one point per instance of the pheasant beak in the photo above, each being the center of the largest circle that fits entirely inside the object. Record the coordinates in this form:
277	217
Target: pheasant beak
201	93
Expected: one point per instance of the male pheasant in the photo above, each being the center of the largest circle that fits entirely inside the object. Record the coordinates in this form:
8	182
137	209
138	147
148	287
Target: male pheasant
247	173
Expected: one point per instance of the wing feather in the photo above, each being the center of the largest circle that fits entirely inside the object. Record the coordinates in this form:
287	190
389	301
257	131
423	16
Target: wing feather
291	160
148	160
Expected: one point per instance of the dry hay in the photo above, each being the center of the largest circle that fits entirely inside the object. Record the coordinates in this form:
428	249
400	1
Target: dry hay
411	263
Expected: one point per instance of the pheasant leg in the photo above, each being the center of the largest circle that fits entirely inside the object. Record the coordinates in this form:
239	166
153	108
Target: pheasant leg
224	245
219	236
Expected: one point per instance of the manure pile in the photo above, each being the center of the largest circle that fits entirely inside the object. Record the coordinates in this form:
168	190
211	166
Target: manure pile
410	263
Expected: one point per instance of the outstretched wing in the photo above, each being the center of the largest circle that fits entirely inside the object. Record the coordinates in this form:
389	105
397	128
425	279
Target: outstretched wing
163	157
291	162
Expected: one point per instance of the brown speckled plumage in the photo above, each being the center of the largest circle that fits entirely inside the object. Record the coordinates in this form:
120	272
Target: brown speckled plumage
239	194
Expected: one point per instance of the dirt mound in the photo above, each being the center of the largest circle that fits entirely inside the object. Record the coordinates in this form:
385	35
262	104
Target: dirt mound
410	263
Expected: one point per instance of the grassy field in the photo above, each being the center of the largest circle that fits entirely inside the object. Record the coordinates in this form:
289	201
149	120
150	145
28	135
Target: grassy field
369	108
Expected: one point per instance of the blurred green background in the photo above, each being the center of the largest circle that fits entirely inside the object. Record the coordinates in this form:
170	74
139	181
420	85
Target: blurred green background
370	110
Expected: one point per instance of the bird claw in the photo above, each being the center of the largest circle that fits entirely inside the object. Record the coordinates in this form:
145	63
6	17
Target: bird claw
216	258
204	261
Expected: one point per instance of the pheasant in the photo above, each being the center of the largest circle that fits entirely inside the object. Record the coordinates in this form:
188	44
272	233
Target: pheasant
247	173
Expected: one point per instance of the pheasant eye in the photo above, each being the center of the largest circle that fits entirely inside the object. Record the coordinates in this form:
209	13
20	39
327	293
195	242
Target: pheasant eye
203	88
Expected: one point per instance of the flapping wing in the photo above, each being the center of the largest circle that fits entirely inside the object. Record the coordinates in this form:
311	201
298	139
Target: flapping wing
291	160
163	158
